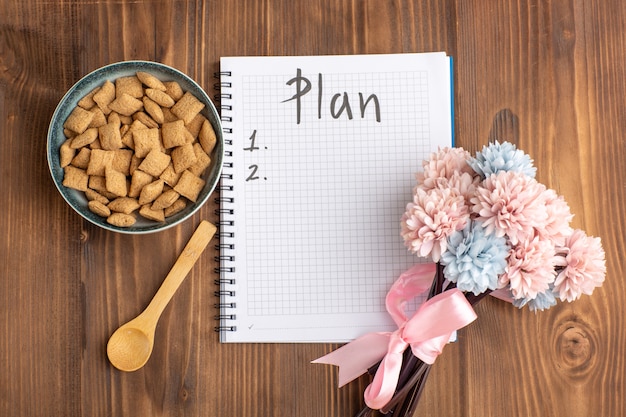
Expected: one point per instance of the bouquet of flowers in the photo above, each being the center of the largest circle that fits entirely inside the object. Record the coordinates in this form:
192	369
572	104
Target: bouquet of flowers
489	228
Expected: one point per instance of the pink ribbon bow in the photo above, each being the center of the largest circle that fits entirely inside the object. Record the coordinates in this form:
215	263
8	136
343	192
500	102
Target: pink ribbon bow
427	332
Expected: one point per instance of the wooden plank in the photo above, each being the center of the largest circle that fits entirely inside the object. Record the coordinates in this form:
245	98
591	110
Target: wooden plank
545	75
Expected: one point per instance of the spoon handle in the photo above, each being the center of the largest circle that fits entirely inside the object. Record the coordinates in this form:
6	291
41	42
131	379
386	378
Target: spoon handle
186	260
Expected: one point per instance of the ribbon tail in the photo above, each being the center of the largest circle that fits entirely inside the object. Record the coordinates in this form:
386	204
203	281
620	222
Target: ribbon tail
383	386
356	357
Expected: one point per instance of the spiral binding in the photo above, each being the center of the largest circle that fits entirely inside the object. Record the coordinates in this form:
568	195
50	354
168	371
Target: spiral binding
227	279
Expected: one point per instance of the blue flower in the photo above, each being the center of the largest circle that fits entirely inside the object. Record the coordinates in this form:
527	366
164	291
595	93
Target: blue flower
474	260
543	301
502	157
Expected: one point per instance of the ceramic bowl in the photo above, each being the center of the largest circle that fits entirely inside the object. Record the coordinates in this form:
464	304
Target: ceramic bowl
77	199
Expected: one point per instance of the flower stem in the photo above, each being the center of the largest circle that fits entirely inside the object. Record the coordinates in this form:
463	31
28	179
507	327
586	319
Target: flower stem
413	367
474	299
409	406
413	382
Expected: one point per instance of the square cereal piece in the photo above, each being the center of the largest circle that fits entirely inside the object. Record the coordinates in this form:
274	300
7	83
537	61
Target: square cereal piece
98	184
104	96
99	118
127	137
114	117
110	137
79	119
203	161
70	134
150	214
150	80
183	157
126	120
168	116
150	192
174	134
166	199
66	153
121	160
126	105
115	182
187	107
75	178
121	219
146	140
207	137
170	176
195	125
173	89
134	164
155	163
176	207
189	185
85	138
99	159
189	137
130	85
87	102
81	160
95	144
139	180
124	205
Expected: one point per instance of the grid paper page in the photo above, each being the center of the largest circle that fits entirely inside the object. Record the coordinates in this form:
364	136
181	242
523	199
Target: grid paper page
320	183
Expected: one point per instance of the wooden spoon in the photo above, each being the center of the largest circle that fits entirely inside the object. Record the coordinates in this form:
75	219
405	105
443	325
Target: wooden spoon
131	345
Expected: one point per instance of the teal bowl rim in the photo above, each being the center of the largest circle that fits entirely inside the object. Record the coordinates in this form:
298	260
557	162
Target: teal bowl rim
55	138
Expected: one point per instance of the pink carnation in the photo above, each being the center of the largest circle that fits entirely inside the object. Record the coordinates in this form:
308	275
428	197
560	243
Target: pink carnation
584	266
511	204
557	227
432	217
530	268
443	164
465	184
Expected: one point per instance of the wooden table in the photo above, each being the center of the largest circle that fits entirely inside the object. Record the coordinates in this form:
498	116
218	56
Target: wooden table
548	75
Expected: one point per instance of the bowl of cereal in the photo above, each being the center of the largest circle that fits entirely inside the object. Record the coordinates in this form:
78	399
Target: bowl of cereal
135	147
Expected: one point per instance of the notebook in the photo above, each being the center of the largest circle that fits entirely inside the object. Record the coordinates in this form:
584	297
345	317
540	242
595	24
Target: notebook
321	156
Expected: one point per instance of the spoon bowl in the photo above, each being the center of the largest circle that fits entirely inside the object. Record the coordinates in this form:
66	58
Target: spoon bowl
130	346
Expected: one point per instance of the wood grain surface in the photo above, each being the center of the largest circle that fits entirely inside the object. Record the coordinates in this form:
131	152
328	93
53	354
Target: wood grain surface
547	75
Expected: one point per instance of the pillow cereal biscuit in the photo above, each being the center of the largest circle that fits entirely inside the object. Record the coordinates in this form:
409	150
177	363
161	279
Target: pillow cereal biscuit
75	178
187	107
124	205
189	185
150	80
121	219
183	157
99	208
137	147
78	121
104	96
176	207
